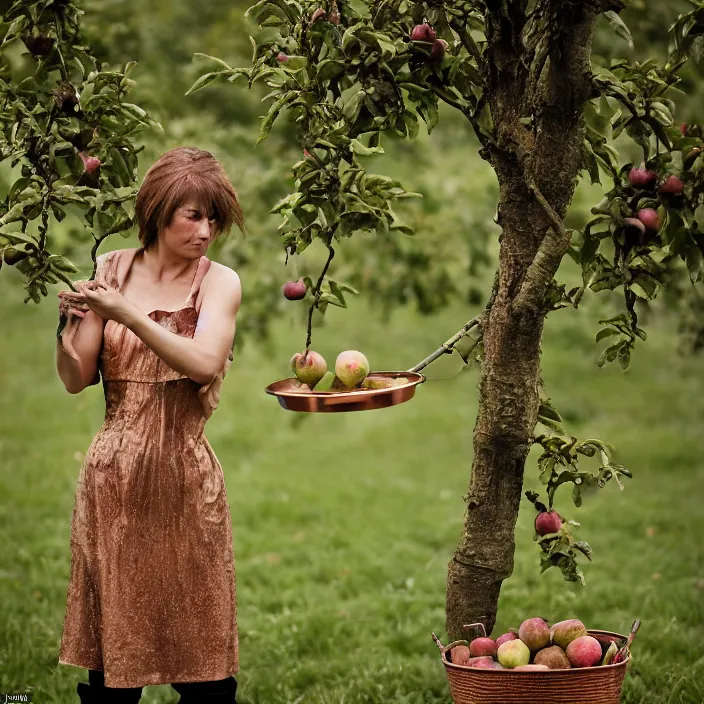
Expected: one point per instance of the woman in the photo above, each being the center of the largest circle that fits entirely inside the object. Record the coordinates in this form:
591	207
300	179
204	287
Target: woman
151	595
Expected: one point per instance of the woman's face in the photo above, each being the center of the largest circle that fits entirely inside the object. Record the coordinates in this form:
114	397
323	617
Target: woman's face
190	231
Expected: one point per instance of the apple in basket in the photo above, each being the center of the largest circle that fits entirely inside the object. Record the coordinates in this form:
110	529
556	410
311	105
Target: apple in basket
554	658
584	651
535	633
564	632
513	653
485	663
482	647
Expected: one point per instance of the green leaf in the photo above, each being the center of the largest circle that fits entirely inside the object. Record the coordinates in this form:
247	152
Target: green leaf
342	286
351	108
329	68
606	332
273	113
584	547
388	48
620	27
598	123
203	81
361	150
337	292
331	298
577	495
547	410
465	347
62	264
214	58
610	353
624	357
694	262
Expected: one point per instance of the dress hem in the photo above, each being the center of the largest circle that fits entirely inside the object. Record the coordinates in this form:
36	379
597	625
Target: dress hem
154	679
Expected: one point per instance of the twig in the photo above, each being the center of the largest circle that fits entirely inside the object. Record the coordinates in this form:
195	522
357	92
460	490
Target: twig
446	347
93	252
316	291
449	99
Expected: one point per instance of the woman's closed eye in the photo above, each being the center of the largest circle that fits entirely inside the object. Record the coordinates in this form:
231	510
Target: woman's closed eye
199	216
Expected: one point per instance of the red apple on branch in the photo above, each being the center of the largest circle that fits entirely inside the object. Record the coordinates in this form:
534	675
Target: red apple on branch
295	290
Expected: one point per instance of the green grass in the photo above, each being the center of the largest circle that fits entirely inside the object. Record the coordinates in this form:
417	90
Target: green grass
344	524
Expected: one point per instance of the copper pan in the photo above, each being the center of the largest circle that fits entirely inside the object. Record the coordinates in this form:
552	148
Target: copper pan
292	398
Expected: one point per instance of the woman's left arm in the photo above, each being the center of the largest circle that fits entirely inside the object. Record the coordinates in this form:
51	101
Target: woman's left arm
200	358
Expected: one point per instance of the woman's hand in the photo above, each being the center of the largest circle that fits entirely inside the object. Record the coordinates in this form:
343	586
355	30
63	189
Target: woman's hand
72	310
72	305
103	300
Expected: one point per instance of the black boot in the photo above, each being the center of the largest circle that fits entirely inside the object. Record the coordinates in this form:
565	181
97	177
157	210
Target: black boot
97	693
219	692
85	693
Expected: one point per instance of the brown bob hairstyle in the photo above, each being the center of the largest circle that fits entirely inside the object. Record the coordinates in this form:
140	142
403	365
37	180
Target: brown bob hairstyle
181	175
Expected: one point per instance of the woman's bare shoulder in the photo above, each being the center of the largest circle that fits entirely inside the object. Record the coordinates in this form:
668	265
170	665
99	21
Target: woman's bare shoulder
105	256
222	283
222	274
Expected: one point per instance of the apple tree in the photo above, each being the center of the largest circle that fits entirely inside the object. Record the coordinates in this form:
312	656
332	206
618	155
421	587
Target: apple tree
547	112
67	131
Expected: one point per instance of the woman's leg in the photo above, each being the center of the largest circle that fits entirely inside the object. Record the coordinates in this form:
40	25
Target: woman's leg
97	693
215	692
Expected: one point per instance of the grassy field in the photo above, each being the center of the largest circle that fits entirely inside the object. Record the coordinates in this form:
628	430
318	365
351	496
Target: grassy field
344	524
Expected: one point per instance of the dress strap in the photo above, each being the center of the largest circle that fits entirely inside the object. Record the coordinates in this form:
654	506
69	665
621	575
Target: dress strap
123	263
201	271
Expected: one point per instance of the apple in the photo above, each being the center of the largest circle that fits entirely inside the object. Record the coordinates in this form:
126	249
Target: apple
482	646
309	367
423	33
351	367
535	633
294	290
564	632
672	185
547	522
513	653
584	651
642	178
649	217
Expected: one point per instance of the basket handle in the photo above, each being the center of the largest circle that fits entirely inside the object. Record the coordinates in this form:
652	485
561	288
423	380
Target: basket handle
474	626
625	651
437	642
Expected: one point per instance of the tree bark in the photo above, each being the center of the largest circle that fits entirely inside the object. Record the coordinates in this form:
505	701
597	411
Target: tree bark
537	166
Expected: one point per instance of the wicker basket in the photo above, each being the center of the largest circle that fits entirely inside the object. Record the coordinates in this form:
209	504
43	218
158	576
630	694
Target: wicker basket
586	685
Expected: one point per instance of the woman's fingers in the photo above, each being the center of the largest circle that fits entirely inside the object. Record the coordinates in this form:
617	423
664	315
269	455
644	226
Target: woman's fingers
94	286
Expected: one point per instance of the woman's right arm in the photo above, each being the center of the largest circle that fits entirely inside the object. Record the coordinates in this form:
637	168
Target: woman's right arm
78	349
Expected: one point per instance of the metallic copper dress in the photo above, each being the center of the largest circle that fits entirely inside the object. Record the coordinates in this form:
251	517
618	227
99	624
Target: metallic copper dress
151	595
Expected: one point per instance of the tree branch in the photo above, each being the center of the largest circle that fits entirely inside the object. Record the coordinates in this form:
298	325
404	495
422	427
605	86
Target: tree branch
316	291
446	347
449	99
547	259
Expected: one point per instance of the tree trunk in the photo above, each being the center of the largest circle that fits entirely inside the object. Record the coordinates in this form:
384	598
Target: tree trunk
537	167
